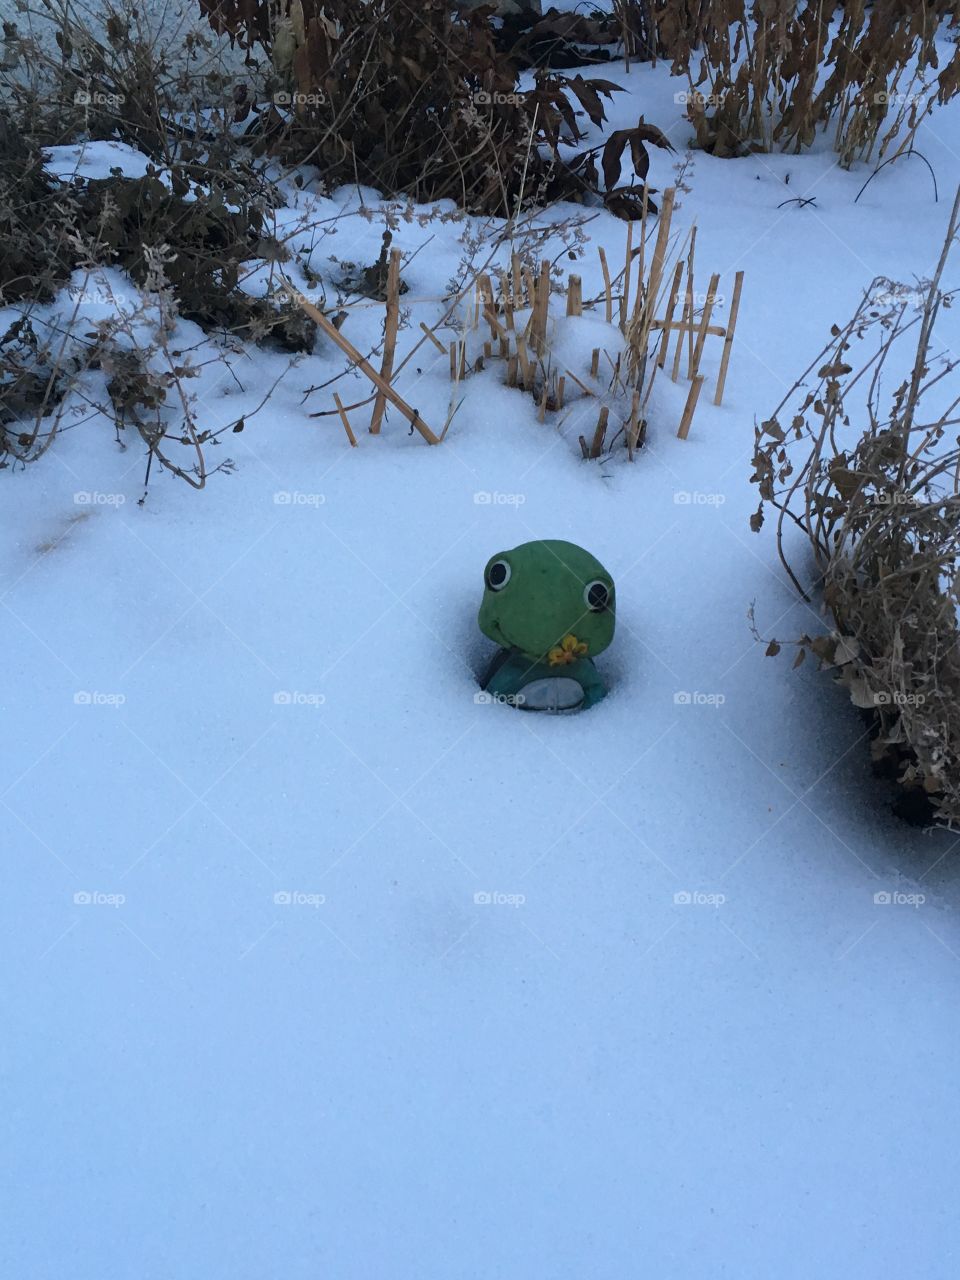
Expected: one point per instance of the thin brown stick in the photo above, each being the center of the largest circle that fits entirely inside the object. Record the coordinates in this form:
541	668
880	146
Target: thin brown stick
596	447
728	338
345	420
693	395
704	326
608	291
624	297
666	324
580	384
433	338
389	337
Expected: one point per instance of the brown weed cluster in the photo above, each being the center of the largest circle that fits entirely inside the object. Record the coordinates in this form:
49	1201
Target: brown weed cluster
768	74
873	482
417	100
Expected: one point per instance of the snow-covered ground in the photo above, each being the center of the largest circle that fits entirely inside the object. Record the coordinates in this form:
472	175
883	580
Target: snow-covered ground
259	1019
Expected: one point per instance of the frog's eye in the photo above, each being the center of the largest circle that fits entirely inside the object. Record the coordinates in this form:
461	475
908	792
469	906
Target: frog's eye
498	575
596	596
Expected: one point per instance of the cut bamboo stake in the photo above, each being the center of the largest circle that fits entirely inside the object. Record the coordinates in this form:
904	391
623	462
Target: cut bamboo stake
714	330
389	337
524	363
633	424
693	395
704	324
644	210
660	250
433	338
541	307
496	329
595	362
506	300
515	268
364	365
608	291
626	277
666	324
574	297
561	384
529	287
573	377
690	259
511	371
453	361
345	420
597	447
489	305
686	321
728	339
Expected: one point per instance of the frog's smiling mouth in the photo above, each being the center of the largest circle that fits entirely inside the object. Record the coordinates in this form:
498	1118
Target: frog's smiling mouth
504	638
564	649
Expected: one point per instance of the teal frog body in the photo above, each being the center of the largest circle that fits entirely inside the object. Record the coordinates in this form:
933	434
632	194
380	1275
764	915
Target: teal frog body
550	606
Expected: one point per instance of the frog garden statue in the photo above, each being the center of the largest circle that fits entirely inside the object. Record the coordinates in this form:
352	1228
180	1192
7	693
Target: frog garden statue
550	606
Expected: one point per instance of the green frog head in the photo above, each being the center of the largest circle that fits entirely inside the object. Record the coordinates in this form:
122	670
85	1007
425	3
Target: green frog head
551	600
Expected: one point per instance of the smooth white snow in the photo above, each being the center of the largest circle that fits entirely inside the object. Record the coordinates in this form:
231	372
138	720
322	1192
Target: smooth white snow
682	1039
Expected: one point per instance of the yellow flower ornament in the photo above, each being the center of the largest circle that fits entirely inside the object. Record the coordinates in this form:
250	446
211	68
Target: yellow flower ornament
568	650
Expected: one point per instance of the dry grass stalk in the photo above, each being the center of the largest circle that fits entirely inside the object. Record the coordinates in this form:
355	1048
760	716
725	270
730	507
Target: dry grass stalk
608	291
345	420
389	338
628	263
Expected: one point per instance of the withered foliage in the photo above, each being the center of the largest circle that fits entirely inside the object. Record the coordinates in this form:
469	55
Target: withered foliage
769	73
419	100
875	488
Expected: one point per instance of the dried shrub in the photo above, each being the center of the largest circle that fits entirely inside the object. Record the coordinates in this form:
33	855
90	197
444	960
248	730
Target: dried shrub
770	73
418	101
875	489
